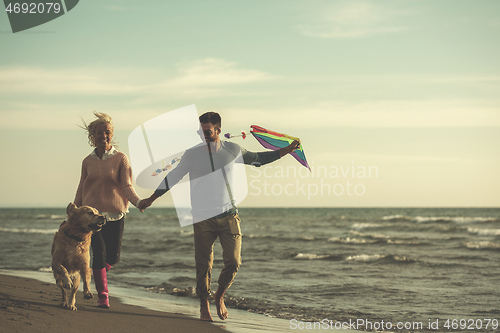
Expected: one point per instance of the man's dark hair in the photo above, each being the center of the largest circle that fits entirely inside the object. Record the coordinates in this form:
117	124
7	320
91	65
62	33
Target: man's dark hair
211	117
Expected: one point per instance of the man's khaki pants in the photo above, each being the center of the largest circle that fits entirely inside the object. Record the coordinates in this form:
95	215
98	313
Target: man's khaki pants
228	230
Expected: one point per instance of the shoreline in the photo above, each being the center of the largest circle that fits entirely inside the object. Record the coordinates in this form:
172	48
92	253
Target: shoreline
32	305
29	301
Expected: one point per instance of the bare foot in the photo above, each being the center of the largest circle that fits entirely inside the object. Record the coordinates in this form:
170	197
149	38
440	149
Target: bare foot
205	310
219	303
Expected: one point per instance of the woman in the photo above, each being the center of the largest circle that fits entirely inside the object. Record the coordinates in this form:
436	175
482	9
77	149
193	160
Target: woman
105	184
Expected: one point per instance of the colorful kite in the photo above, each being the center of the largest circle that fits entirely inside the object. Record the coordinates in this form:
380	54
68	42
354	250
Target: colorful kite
274	140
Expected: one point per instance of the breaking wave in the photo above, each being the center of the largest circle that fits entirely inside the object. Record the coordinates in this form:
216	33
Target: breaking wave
483	245
50	217
389	258
29	231
431	219
484	232
311	256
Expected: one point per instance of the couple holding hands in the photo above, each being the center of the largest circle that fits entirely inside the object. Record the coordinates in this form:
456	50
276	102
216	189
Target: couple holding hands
106	184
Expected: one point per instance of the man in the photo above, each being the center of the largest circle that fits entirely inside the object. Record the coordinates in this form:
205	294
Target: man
213	205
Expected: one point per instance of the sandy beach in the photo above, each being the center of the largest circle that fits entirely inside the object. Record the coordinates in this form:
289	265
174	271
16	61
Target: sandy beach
28	305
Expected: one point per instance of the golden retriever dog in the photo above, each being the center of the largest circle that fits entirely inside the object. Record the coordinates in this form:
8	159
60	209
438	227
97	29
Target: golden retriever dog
70	252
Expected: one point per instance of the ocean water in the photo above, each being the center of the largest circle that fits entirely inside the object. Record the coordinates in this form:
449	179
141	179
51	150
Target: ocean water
384	269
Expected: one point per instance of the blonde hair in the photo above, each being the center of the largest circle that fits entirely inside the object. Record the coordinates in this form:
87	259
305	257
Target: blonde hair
102	118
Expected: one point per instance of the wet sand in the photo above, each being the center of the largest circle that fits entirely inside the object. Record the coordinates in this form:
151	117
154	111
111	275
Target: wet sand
28	305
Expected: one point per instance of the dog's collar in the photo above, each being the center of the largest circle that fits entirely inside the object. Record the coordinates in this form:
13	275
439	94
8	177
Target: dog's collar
78	239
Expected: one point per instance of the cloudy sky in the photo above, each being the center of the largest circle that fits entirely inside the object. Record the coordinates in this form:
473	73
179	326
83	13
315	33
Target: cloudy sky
396	102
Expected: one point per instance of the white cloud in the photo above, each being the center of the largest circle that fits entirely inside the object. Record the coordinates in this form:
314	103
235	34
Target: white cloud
215	72
376	114
467	79
352	19
207	76
66	115
78	81
35	97
321	115
44	98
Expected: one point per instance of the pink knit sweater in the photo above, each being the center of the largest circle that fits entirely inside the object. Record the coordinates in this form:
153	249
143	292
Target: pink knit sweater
106	184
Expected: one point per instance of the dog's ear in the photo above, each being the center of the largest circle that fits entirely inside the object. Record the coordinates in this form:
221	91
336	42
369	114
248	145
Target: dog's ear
71	207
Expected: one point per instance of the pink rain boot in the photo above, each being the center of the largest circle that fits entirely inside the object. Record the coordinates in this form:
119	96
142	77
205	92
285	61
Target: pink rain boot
101	285
108	267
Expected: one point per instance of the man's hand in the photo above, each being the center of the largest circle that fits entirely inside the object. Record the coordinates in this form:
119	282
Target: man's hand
145	203
290	148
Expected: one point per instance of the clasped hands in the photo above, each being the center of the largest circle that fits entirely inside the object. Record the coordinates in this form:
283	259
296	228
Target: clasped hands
145	203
